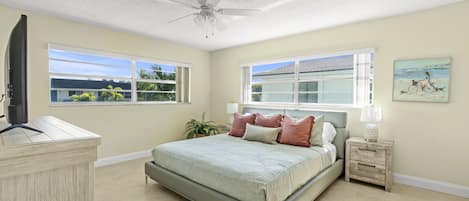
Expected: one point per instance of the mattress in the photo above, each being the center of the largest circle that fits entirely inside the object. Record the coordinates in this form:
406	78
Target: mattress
243	169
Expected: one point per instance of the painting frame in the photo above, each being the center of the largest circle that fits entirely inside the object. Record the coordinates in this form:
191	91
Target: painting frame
398	93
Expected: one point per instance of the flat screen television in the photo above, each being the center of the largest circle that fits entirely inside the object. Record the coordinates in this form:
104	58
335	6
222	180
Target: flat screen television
16	94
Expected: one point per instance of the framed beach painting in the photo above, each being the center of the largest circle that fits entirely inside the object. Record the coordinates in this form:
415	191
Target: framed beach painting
422	80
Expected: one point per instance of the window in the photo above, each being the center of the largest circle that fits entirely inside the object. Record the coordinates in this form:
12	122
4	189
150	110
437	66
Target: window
77	77
155	82
342	79
273	82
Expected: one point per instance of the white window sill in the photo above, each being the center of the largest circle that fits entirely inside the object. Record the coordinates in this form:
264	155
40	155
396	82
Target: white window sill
302	106
82	104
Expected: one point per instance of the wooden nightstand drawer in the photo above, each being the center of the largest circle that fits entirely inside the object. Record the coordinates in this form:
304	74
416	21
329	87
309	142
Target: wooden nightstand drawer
368	172
368	155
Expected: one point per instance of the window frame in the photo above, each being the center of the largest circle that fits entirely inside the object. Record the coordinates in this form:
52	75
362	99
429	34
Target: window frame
247	93
132	79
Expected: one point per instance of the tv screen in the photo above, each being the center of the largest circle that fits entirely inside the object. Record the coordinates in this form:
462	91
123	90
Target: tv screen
16	95
16	104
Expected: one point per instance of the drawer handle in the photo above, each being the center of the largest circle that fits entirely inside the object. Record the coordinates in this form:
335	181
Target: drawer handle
370	150
366	165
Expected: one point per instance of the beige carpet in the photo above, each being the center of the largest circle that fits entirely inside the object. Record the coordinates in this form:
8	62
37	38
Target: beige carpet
126	182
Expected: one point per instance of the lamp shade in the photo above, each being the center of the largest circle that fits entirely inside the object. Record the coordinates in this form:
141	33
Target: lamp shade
371	114
231	108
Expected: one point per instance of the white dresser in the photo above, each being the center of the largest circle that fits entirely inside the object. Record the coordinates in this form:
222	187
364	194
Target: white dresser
57	165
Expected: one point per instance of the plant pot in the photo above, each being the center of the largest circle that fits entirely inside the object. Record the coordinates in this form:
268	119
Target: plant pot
199	135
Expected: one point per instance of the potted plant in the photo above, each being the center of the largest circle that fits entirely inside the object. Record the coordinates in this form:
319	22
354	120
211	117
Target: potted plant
195	128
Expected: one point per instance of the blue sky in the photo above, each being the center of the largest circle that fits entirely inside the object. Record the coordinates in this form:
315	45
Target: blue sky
112	67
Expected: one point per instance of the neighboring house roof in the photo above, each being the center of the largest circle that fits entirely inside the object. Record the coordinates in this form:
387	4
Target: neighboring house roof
316	65
87	84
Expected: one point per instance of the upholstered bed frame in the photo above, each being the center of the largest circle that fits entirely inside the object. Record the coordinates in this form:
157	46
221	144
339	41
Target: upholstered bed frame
310	191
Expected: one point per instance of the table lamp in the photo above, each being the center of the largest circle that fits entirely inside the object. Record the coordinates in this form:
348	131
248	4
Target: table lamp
371	115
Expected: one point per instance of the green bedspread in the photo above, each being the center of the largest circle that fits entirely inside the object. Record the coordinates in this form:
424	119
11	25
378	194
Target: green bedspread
245	170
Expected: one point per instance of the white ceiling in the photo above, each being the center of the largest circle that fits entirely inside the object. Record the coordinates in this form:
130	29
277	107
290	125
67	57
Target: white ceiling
279	17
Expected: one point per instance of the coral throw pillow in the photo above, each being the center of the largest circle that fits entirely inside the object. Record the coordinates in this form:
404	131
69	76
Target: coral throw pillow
297	132
239	124
271	121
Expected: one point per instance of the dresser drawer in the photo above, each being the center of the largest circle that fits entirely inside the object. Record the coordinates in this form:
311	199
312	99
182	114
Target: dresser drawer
368	155
368	172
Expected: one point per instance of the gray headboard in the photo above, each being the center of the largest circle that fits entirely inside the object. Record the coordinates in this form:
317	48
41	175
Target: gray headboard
337	118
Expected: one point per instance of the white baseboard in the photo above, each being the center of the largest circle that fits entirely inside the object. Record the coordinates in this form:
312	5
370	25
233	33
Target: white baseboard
433	185
122	158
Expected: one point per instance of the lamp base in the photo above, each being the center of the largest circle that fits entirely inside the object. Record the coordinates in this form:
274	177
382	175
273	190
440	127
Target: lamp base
371	134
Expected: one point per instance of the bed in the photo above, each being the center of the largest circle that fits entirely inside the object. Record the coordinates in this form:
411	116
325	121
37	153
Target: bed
225	168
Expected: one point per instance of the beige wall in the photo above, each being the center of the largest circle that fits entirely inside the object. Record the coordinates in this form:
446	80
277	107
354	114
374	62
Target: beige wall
124	128
431	139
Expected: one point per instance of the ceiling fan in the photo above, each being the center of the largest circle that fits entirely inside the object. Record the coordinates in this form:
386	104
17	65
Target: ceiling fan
208	14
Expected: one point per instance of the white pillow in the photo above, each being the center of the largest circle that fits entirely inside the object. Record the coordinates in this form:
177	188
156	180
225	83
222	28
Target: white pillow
316	137
328	132
261	134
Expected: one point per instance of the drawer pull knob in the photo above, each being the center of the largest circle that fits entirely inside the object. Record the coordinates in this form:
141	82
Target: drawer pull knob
370	150
366	165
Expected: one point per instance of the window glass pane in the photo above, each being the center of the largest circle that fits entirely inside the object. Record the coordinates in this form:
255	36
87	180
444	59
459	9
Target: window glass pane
272	92
327	80
308	86
151	71
311	97
67	89
327	92
148	86
327	68
83	77
86	64
156	96
331	80
308	92
273	72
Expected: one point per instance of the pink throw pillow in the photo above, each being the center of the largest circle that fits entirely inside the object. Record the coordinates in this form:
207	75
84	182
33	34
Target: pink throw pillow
271	121
239	124
297	132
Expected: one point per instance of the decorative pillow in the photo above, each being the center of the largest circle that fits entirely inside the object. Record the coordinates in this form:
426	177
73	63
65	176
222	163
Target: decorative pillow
239	124
316	133
329	132
261	134
271	121
297	132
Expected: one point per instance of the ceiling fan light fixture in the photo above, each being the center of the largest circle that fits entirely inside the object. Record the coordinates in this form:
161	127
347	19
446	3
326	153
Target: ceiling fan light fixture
206	24
207	17
199	20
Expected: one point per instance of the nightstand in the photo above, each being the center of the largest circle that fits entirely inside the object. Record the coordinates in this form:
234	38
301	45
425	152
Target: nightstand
369	162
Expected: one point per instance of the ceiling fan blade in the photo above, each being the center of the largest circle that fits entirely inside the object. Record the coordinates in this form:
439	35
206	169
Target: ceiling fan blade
184	3
180	18
202	2
238	12
212	3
